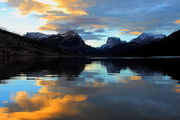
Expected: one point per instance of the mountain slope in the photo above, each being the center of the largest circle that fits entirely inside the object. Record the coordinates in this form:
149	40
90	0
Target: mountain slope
36	35
168	46
13	44
111	42
147	38
69	41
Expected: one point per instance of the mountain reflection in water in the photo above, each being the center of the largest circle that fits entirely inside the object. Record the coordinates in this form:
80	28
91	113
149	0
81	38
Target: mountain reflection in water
89	88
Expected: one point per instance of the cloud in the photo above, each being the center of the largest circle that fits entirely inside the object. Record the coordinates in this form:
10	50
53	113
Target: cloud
84	25
135	33
3	0
130	32
49	27
60	15
177	21
74	7
124	30
94	37
100	31
3	9
103	16
26	7
43	105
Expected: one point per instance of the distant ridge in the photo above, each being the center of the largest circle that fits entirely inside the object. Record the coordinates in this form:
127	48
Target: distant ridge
161	46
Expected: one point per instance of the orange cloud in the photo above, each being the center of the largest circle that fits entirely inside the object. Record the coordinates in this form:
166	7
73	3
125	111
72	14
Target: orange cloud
48	27
73	7
124	30
56	18
28	6
177	21
96	26
135	77
45	83
135	33
43	105
52	11
177	90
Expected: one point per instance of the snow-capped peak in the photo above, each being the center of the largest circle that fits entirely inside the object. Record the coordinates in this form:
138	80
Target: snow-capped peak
152	35
146	38
36	35
69	33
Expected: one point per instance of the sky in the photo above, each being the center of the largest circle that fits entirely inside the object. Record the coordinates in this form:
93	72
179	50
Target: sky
94	20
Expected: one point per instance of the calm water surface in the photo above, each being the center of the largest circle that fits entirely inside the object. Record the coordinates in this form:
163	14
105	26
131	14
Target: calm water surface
89	89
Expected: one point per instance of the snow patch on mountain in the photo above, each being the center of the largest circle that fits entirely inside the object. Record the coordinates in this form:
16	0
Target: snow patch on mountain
146	38
36	35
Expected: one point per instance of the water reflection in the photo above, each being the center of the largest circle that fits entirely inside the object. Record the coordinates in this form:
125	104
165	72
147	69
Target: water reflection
86	89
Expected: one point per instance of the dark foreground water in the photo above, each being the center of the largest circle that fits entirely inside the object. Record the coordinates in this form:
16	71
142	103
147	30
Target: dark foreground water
89	89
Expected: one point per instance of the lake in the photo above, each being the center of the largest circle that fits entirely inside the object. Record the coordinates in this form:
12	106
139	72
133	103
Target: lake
80	88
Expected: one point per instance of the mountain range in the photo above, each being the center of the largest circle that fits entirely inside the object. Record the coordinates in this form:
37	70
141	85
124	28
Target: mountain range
71	44
69	41
158	45
111	42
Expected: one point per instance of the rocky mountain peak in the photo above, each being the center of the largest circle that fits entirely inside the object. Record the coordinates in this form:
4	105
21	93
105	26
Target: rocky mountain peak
69	33
146	38
151	35
111	41
36	35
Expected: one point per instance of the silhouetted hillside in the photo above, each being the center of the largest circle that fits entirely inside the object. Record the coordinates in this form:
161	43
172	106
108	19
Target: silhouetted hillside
13	44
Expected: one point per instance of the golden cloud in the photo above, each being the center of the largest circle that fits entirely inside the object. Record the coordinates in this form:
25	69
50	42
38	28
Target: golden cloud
124	30
55	18
28	6
96	26
177	21
72	7
135	77
58	14
43	105
48	27
177	90
135	33
45	83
